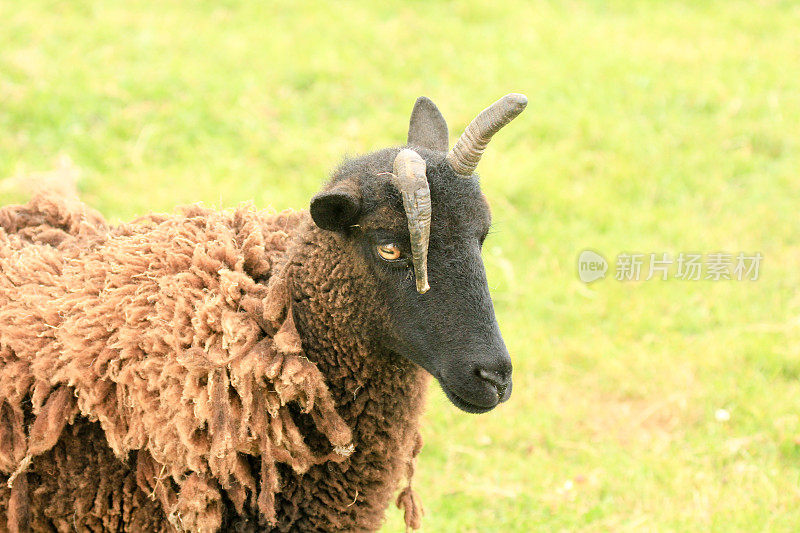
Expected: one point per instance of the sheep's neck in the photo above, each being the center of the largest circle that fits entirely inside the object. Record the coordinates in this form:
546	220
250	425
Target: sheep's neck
379	394
337	320
370	385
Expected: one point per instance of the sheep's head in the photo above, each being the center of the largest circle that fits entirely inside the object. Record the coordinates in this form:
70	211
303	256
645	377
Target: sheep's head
416	218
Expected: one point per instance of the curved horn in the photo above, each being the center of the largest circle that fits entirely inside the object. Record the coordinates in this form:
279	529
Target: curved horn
467	152
409	178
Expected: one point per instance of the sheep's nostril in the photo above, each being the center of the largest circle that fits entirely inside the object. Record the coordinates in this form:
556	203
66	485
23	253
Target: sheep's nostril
495	379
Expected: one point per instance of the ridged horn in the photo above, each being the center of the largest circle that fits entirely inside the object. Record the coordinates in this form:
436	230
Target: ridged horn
467	152
409	178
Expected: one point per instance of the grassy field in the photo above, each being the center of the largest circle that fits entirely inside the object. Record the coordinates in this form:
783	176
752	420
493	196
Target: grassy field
652	127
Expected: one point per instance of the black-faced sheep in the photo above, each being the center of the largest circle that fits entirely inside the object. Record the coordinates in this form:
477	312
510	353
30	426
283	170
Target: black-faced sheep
238	370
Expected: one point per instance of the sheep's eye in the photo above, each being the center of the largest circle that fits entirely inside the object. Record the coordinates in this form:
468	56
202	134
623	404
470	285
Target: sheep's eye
389	251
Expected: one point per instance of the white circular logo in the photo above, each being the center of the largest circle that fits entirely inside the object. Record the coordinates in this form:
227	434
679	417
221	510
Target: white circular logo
591	266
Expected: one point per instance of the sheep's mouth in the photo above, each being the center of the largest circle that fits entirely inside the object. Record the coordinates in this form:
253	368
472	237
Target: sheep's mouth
461	403
458	399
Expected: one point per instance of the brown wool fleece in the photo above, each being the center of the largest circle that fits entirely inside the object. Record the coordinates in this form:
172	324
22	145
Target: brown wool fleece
198	372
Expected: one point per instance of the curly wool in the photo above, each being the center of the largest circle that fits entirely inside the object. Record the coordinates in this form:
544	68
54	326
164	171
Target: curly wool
171	338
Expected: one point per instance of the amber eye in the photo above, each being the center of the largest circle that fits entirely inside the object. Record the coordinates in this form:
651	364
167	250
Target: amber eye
389	251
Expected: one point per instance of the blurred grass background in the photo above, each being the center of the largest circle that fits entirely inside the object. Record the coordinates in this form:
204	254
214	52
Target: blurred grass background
652	127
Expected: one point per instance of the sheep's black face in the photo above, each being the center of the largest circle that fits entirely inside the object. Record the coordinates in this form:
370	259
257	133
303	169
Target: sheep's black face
451	330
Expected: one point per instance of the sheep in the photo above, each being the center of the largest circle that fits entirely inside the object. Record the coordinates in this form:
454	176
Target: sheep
241	370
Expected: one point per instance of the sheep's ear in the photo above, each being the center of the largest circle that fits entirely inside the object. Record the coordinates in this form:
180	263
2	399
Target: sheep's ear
427	127
336	208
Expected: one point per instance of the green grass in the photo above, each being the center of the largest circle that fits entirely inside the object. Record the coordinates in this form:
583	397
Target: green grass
651	127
